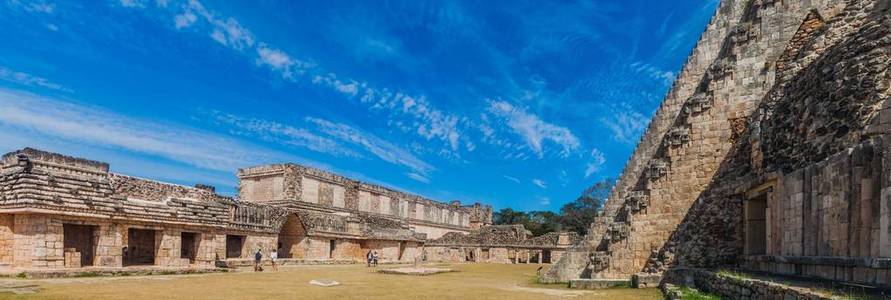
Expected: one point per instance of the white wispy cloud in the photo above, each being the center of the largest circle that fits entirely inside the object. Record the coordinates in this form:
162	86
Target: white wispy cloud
29	80
626	124
666	77
132	3
226	31
285	134
281	62
381	148
41	7
533	129
418	177
427	121
93	126
511	178
597	161
540	183
545	201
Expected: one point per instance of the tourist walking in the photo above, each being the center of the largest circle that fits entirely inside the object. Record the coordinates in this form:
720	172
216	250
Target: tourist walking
369	257
258	261
273	256
374	258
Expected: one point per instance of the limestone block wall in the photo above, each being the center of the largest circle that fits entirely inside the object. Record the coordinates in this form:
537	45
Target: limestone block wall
387	250
696	127
38	242
813	145
7	239
303	187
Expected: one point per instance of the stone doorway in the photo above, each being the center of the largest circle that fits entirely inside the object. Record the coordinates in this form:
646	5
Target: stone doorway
79	243
140	247
291	237
756	225
401	250
332	245
188	247
484	254
546	256
234	246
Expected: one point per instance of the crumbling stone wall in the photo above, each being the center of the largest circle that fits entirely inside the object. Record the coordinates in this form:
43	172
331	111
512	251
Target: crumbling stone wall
772	86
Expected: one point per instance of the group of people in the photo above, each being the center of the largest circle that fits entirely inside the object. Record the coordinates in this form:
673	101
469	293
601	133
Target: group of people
258	260
372	258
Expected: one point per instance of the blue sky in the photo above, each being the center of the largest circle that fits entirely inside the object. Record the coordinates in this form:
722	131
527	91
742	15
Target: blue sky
518	104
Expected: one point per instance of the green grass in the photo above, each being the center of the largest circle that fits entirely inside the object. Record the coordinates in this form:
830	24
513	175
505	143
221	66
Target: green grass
86	275
693	294
734	274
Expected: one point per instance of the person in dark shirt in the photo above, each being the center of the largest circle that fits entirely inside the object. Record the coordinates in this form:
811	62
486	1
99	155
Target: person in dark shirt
258	261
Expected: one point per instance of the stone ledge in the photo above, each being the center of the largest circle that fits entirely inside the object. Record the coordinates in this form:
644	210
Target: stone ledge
645	280
596	284
109	272
416	271
866	262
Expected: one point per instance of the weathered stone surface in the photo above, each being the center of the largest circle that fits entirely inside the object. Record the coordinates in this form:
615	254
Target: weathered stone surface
781	100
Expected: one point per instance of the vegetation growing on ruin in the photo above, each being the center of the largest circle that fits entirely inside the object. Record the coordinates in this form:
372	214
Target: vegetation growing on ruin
688	293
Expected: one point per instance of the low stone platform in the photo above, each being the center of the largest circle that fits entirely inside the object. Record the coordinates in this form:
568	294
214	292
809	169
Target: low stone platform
417	271
645	280
103	271
596	284
235	263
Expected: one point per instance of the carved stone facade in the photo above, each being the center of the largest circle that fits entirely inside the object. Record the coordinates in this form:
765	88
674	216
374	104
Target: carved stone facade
500	244
785	170
64	212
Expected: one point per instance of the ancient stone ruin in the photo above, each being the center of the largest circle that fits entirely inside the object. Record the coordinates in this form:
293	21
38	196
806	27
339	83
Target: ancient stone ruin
770	153
60	212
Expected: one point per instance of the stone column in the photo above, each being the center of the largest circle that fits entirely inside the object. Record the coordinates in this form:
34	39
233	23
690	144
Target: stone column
516	256
540	253
884	205
528	256
109	246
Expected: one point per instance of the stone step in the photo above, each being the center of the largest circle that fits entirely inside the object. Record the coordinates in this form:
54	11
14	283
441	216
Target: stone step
596	284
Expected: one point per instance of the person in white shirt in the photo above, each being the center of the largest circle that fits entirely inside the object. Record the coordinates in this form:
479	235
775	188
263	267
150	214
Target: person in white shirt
273	256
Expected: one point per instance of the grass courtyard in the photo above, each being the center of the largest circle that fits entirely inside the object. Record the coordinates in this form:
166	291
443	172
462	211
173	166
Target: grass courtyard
472	281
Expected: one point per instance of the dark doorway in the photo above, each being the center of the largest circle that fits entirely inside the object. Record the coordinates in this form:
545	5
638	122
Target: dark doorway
79	240
332	244
401	249
140	247
546	256
234	246
484	254
188	247
756	225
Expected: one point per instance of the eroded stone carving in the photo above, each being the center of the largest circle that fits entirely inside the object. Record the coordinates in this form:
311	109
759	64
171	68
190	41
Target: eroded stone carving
657	169
598	261
635	201
677	136
618	231
698	103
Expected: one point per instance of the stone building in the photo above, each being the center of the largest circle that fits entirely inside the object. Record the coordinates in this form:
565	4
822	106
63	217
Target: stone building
504	244
63	212
770	153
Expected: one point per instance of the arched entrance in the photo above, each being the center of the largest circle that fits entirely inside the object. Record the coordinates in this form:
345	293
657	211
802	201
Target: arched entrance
292	238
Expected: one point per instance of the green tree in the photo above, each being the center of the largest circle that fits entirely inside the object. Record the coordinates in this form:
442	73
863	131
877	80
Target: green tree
579	214
507	216
574	216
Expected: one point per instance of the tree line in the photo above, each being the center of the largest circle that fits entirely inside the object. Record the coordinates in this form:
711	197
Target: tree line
573	216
